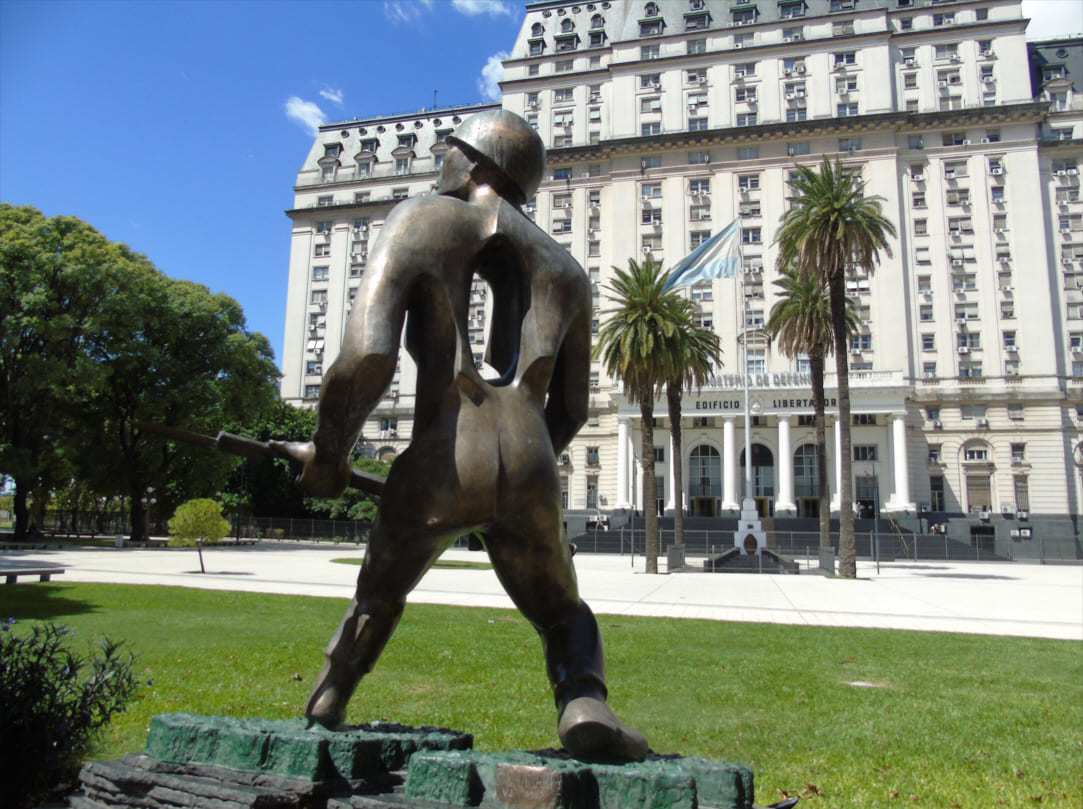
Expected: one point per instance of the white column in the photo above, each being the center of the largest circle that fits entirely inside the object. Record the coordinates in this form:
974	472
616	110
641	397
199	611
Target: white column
729	463
900	499
624	463
836	491
784	498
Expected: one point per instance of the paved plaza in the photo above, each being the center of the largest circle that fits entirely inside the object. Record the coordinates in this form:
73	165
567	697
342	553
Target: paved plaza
993	598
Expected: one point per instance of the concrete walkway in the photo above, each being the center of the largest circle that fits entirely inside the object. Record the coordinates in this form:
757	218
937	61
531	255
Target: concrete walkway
983	598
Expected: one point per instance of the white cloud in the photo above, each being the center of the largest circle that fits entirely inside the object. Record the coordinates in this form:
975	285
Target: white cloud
306	113
332	95
491	75
1050	19
406	11
472	8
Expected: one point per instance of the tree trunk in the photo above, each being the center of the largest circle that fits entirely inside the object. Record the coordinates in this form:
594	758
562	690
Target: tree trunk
138	513
847	541
650	506
673	398
816	365
22	511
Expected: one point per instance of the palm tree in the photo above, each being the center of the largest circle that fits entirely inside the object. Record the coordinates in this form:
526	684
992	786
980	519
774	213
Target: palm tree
801	322
829	228
694	353
632	345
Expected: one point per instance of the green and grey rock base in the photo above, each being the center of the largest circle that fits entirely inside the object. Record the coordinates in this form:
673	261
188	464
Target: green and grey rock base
200	761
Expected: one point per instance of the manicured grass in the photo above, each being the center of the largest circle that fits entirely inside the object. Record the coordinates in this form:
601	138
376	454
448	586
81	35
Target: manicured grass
449	564
950	720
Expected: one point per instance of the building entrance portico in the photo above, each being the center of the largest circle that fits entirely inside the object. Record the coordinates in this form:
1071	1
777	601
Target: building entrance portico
784	468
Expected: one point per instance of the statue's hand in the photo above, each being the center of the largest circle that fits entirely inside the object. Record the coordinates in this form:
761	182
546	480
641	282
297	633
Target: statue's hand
318	478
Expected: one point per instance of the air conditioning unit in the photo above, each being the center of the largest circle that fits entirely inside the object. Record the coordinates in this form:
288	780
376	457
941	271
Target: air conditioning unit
532	105
984	516
988	80
938	424
910	61
565	458
1022	515
930	375
957	262
964	349
738	45
856	351
1061	173
1071	172
956	58
986	53
966	142
960	321
982	422
738	74
1007	290
791	96
917	178
996	172
942	85
800	68
949	175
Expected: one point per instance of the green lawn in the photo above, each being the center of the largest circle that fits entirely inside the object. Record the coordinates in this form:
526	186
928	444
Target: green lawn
948	721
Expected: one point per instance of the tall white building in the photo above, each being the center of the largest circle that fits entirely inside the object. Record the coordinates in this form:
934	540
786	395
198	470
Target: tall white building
666	120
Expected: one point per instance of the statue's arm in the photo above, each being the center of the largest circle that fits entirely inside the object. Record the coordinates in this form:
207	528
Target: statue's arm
569	389
362	372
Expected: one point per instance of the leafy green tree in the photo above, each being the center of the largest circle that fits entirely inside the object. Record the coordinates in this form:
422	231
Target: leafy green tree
694	354
830	228
633	347
94	337
180	356
801	322
54	275
196	522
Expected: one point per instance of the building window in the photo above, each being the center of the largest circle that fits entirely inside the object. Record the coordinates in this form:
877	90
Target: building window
864	452
697	46
650	129
699	158
748	153
751	236
312	391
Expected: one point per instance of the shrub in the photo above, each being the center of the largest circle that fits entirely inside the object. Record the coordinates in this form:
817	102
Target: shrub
197	520
54	699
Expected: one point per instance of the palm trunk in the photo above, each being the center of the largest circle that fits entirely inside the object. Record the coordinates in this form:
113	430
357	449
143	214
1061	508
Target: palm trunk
650	507
816	365
673	398
847	541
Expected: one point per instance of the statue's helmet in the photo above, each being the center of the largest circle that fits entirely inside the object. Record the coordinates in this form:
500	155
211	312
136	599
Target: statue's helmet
508	143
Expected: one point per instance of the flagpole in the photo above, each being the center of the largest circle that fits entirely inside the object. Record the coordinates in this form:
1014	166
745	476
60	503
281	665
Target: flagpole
748	411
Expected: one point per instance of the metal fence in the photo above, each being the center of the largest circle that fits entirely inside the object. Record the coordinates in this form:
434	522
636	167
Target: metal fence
882	546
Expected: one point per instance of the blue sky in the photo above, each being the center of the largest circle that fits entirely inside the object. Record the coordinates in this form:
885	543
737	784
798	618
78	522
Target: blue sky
178	126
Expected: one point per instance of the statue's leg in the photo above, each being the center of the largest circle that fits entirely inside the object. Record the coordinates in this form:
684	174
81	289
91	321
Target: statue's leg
533	562
394	564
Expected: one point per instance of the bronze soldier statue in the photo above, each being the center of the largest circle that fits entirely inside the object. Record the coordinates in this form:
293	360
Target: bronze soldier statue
482	457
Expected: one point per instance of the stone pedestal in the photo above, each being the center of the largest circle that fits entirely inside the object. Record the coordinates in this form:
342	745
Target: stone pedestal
203	761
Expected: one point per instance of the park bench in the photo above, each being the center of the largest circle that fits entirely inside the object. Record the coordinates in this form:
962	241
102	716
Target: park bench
11	574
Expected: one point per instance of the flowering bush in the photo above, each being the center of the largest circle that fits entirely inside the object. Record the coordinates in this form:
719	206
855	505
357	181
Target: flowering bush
54	699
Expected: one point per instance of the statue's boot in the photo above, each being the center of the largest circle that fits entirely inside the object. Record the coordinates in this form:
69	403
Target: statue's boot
351	654
575	660
590	731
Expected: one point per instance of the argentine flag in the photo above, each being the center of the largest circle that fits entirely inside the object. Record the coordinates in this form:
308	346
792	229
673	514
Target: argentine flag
718	257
